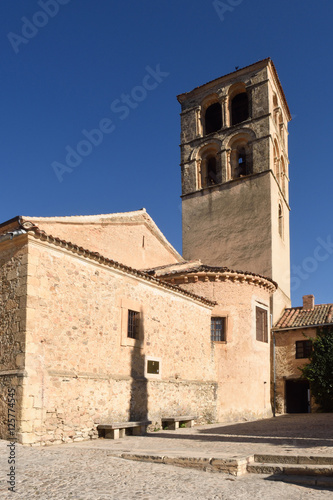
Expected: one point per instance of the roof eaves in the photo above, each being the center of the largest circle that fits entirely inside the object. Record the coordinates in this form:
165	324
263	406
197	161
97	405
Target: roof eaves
31	228
180	96
213	269
285	328
11	221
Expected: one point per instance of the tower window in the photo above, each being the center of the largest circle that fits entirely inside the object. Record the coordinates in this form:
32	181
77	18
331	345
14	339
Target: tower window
239	108
208	167
211	171
213	118
242	163
280	221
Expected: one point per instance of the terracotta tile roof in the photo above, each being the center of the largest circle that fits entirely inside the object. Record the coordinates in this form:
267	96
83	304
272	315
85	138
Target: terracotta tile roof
201	268
297	317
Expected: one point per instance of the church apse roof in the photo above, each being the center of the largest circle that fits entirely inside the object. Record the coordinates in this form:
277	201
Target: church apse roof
181	271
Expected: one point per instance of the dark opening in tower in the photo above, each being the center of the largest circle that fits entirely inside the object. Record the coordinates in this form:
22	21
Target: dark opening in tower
239	108
213	118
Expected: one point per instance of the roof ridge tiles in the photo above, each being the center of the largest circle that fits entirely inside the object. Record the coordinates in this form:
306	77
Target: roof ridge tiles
32	228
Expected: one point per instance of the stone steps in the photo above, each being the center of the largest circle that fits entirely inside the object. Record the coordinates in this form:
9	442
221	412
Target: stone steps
290	469
294	459
297	469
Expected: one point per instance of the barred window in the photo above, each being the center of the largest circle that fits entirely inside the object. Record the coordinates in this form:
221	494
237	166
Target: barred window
261	325
217	329
133	324
303	348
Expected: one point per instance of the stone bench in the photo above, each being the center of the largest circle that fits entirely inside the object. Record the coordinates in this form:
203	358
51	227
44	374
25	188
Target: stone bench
117	430
173	422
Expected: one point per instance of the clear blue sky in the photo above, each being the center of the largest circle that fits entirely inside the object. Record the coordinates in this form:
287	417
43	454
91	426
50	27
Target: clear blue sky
61	78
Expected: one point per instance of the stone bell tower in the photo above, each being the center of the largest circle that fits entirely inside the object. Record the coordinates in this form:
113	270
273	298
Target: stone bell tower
234	163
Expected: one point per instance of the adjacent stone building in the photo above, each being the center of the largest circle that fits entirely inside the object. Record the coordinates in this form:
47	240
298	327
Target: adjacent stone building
292	348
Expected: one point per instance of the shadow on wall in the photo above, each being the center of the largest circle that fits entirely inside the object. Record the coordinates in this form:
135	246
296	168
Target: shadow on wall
138	409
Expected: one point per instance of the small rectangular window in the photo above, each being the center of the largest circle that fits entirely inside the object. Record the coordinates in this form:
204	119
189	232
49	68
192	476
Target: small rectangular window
153	367
303	348
261	325
133	324
217	329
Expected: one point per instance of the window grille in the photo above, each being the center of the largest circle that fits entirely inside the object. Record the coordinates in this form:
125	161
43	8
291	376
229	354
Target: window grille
217	330
133	325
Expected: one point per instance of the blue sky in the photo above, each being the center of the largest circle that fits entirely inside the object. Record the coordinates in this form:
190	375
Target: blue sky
62	77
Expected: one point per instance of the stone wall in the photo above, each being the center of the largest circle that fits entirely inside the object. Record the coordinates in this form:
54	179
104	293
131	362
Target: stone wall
286	363
243	363
13	300
81	367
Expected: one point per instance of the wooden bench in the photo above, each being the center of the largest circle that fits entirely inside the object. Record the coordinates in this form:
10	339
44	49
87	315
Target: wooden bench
173	422
116	430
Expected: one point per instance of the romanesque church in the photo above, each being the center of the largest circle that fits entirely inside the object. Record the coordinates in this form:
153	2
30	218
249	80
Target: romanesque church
102	320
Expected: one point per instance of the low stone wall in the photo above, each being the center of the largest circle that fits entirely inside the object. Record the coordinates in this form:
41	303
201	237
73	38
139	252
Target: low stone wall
72	407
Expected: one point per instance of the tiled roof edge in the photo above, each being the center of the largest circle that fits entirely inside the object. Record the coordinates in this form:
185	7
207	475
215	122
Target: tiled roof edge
217	270
279	329
42	235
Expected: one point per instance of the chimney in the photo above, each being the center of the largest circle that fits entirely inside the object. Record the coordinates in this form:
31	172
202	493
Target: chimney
308	301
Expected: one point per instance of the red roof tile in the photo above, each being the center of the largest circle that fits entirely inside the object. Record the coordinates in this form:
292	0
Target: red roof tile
295	317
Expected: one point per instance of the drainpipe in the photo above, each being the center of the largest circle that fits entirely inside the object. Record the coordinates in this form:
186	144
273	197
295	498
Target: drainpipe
11	235
274	379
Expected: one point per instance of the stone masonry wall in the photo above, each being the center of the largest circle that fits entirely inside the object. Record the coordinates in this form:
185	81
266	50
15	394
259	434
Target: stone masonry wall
82	369
243	363
286	363
13	279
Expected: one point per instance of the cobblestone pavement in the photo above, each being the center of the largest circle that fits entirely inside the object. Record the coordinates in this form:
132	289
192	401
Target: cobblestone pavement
89	470
74	473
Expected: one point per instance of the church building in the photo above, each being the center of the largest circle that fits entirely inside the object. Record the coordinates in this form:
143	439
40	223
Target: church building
102	320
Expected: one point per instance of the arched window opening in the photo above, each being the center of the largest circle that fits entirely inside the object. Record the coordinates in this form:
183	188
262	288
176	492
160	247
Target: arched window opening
239	108
211	171
213	118
240	159
280	221
276	161
275	101
242	169
208	167
283	176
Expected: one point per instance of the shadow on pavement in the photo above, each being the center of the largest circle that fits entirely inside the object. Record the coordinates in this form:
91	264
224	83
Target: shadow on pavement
297	431
302	482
